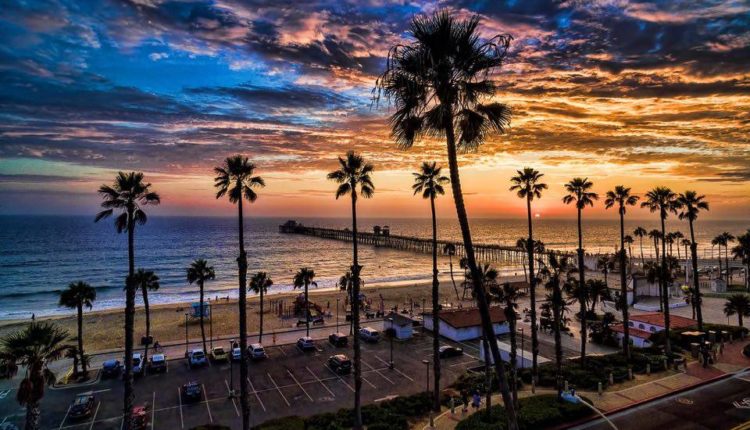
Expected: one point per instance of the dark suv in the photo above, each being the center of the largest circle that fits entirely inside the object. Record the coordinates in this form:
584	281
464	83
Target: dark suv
340	363
82	406
338	339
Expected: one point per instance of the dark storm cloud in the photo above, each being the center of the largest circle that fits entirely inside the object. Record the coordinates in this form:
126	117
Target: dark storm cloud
287	97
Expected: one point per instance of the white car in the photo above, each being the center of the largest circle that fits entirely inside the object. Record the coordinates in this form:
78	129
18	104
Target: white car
256	351
369	334
137	363
306	344
236	354
197	358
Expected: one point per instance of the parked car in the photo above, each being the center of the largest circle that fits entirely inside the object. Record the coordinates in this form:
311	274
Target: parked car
157	363
338	339
236	354
197	358
256	351
369	334
340	363
192	391
137	364
111	368
82	406
450	351
219	355
306	344
141	417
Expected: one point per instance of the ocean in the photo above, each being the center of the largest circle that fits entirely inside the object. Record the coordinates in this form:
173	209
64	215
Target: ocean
41	255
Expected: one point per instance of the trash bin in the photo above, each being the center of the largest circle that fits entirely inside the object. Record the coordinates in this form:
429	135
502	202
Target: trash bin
694	349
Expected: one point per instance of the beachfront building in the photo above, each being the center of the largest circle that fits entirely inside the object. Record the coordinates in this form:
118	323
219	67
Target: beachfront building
402	325
644	325
466	324
524	357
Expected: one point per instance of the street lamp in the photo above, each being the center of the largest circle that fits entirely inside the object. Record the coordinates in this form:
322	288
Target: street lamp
393	334
427	366
186	334
210	324
337	314
231	369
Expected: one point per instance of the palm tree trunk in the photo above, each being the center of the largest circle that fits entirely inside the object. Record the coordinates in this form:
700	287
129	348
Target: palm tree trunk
242	271
487	381
624	290
739	318
557	315
726	262
582	280
476	276
147	310
355	318
696	284
665	291
643	260
32	416
453	281
513	356
307	311
80	338
203	328
129	321
720	264
260	335
532	295
435	312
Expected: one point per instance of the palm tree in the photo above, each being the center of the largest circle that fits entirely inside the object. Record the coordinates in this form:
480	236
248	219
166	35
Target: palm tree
34	347
622	198
147	281
677	237
259	284
741	252
605	263
727	238
656	236
669	240
597	292
628	240
739	304
557	273
304	278
346	281
664	201
508	295
199	272
353	174
438	84
129	194
235	178
691	204
640	232
527	185
579	192
428	182
76	296
449	249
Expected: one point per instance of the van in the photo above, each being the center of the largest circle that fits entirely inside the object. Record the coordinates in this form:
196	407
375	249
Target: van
256	351
369	334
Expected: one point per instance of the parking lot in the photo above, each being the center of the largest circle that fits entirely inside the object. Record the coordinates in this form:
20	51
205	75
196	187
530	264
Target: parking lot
288	382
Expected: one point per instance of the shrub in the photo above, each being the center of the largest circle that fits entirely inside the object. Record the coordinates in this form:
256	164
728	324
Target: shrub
536	412
746	350
286	423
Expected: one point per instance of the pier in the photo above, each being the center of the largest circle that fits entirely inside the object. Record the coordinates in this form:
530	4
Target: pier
381	237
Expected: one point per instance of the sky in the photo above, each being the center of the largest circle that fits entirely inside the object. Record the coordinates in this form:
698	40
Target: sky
640	93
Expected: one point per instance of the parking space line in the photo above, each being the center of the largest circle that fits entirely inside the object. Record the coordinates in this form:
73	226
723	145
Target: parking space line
62	423
319	380
153	407
394	368
340	378
378	372
179	400
299	385
210	418
470	346
281	348
232	397
462	363
256	394
278	389
371	384
96	412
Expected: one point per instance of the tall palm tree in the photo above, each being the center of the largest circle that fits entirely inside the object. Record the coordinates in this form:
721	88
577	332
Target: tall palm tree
741	252
450	250
640	232
33	348
669	241
147	281
628	240
664	201
353	177
199	272
235	179
597	292
727	238
622	198
303	279
128	195
259	284
656	236
579	192
691	205
76	296
677	237
737	304
428	182
346	282
605	263
439	83
719	241
528	185
508	295
557	273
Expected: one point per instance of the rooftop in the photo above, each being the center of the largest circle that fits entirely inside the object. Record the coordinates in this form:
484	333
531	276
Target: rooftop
469	317
657	319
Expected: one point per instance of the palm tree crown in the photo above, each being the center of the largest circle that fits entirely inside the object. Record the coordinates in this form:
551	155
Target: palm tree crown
354	171
199	271
235	177
691	205
78	294
621	197
527	183
662	200
260	282
429	181
129	192
579	193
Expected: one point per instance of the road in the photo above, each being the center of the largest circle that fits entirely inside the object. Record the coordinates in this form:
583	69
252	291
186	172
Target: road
716	406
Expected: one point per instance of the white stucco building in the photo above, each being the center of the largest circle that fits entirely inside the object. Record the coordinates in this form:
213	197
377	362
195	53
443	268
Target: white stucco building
644	325
465	324
401	325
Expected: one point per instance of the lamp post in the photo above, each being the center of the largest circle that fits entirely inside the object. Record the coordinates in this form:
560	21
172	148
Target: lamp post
337	314
231	369
210	324
393	334
186	334
427	366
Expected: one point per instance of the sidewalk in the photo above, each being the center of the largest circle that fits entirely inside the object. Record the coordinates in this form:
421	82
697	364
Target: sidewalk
641	389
